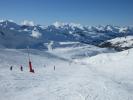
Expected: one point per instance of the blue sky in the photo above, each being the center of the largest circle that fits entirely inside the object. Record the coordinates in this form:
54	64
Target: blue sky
86	12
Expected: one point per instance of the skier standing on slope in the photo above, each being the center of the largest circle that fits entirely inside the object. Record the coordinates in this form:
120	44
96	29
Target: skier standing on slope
21	68
11	68
54	67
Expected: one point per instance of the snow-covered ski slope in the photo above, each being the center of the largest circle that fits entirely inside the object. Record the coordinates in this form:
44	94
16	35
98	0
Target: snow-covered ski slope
106	76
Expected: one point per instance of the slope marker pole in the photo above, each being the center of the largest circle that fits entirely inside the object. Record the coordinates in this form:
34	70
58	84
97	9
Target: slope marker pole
30	64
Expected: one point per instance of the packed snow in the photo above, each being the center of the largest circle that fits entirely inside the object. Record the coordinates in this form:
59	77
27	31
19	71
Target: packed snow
106	76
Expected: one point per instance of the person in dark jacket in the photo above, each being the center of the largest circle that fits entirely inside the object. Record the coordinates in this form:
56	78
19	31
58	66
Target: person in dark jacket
21	68
11	68
54	67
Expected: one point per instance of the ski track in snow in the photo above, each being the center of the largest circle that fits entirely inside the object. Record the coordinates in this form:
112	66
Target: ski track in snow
69	81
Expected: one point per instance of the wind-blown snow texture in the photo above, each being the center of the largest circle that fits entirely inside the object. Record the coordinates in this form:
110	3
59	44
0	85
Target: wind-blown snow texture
107	76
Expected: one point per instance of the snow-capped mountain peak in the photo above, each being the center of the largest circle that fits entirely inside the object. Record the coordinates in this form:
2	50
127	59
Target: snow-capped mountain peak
67	25
58	32
2	20
123	29
28	23
58	24
100	28
8	24
110	28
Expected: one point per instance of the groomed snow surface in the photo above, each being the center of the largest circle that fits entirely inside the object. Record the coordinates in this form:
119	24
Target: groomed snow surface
106	76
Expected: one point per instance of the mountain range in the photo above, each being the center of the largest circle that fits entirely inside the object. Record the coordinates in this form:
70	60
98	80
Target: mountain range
13	35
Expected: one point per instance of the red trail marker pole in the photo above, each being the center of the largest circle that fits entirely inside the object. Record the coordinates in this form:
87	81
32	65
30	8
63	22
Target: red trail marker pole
30	67
30	64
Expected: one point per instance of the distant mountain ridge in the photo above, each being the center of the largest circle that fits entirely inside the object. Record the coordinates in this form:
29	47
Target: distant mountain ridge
13	35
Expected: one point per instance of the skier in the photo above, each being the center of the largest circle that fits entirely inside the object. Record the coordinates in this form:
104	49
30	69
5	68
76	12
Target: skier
11	68
21	68
54	67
